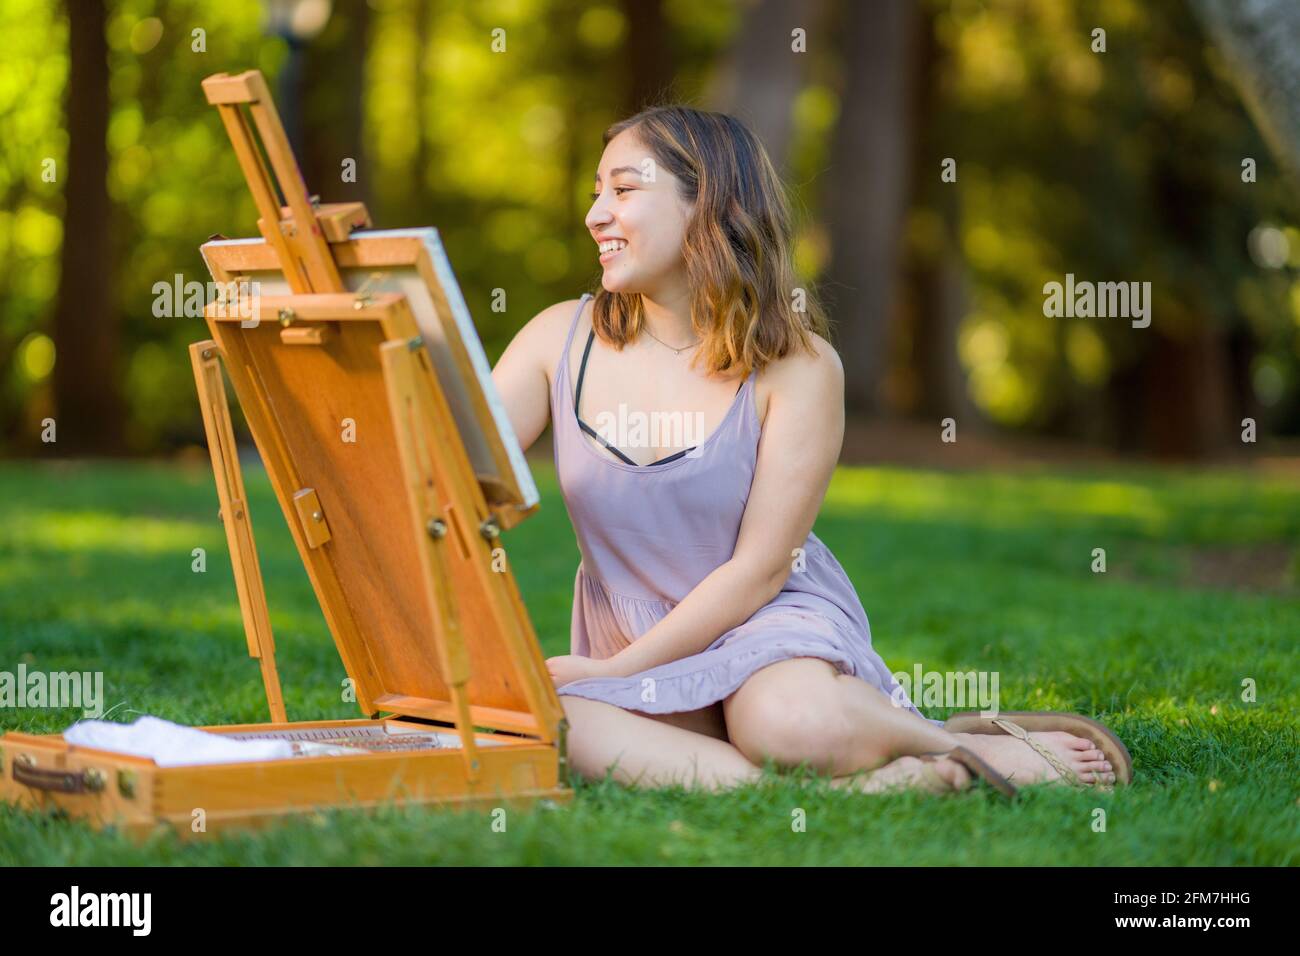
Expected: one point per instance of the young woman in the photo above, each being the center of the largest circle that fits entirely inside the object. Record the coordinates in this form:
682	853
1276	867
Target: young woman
712	630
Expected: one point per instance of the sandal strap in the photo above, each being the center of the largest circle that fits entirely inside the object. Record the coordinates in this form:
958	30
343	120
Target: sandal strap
1015	730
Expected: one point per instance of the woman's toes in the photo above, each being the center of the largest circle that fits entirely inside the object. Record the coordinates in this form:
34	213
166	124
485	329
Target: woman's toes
954	774
1100	760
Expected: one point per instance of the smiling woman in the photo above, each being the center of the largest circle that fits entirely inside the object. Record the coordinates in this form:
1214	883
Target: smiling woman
712	630
690	206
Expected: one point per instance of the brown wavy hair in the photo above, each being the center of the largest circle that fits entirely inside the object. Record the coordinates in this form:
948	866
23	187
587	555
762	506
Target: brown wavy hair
737	247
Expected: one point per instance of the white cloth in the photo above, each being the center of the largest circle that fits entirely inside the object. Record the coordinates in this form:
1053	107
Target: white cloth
172	745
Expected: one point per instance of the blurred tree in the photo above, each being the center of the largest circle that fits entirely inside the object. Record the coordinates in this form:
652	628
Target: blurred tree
334	71
761	74
926	379
866	208
86	321
424	91
649	54
1121	163
1261	40
1116	165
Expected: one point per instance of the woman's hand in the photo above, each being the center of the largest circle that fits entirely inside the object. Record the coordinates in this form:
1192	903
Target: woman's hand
571	667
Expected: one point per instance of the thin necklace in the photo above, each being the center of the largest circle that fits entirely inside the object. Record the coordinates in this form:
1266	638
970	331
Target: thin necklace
677	351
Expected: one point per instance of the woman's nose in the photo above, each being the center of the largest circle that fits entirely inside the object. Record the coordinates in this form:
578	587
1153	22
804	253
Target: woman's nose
598	214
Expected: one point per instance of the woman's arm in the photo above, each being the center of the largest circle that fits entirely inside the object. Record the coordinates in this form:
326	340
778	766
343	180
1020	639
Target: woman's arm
802	437
522	375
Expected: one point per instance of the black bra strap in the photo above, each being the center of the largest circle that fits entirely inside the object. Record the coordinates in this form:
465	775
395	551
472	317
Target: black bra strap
601	438
582	370
577	399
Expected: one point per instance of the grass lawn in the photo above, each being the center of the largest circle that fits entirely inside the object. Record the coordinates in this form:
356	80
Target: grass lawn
956	571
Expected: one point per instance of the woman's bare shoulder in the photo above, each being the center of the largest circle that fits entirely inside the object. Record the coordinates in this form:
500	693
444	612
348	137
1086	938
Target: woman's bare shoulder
542	336
552	322
818	374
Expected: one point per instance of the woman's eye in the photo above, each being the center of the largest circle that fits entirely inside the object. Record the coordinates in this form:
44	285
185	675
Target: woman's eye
618	191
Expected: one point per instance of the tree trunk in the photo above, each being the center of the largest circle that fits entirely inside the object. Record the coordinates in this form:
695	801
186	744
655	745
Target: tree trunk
927	379
86	328
424	94
1186	403
333	92
761	76
649	59
867	199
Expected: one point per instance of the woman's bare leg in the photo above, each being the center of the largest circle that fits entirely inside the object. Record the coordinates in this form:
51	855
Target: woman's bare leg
794	712
647	752
904	731
709	721
659	750
803	709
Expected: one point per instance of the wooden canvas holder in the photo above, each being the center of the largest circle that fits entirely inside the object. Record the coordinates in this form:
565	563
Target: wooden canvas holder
398	534
447	507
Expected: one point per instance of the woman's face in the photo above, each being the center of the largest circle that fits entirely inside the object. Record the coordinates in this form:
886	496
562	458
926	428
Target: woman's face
638	206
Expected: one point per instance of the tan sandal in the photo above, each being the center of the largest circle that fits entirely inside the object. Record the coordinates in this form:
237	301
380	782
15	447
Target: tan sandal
979	769
1026	721
931	781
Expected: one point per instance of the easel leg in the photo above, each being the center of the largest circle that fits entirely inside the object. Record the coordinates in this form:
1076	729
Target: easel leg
234	513
432	527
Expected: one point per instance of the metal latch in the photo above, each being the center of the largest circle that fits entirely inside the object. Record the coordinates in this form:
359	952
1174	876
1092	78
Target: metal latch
311	518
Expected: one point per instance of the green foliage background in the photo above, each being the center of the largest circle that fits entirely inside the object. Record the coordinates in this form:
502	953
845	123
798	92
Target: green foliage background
1122	165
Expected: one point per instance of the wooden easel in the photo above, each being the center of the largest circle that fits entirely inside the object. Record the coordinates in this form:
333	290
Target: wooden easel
398	537
450	519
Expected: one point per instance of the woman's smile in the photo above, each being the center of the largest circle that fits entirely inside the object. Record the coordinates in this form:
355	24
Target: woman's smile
610	249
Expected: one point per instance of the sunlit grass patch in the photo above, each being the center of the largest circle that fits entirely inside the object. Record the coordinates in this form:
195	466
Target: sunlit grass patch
957	572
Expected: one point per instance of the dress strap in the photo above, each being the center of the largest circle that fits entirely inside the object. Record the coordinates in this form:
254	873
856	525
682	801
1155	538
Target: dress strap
573	327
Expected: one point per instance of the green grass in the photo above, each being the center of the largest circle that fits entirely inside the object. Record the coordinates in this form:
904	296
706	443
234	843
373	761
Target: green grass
957	572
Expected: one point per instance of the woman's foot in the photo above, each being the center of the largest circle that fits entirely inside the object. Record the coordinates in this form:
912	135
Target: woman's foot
932	775
1024	766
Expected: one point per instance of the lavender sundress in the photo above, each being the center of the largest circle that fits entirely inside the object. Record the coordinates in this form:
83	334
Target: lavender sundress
649	533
